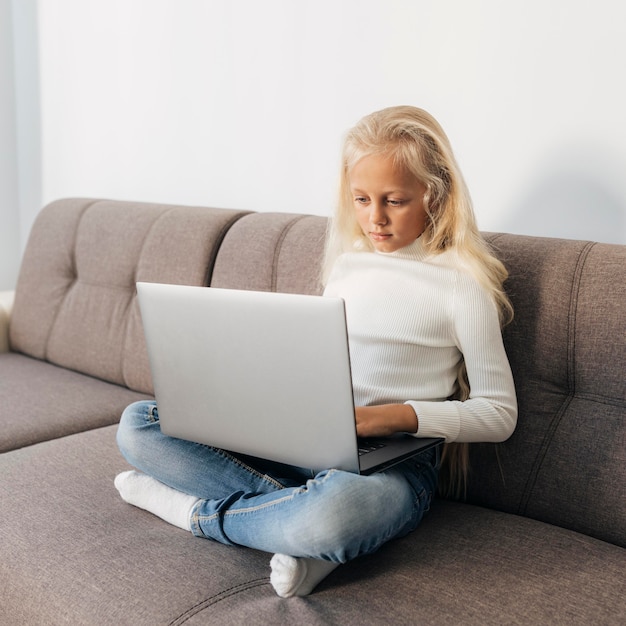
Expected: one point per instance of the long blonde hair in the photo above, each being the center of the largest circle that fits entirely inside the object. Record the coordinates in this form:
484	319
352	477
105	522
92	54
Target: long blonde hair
416	142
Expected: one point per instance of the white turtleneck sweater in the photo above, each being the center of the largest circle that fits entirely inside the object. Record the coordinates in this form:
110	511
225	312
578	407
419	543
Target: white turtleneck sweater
411	318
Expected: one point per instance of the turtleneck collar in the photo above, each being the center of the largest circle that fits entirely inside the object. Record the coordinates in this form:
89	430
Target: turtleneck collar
414	252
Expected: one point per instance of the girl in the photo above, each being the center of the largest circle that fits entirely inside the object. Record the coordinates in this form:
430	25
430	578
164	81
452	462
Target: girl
425	305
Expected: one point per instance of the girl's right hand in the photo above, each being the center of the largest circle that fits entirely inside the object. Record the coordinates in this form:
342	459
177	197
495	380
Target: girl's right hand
385	420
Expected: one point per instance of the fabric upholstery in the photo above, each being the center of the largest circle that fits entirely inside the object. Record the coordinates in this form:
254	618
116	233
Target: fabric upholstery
74	553
566	462
71	543
75	303
42	401
272	252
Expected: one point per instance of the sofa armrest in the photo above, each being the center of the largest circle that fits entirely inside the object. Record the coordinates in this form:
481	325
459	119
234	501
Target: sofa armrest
6	306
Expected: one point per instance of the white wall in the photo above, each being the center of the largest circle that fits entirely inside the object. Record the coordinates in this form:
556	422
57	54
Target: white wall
242	103
28	118
9	210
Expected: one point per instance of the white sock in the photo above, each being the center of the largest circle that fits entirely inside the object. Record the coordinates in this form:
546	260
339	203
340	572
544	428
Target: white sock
147	493
293	576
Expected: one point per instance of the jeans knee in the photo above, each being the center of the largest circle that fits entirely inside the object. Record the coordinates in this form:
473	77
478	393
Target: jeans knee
382	508
356	516
134	419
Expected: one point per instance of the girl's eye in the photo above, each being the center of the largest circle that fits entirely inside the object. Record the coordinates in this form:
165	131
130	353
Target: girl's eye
394	202
360	200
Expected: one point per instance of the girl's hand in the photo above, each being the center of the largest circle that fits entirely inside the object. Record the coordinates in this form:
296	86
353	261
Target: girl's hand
385	420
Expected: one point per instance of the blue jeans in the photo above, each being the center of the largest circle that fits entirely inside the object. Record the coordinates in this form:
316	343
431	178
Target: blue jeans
333	515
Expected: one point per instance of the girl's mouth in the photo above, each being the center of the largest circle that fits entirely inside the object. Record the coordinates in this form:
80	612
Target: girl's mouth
380	236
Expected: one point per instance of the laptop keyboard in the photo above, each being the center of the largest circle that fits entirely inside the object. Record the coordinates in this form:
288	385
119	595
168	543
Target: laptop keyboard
369	446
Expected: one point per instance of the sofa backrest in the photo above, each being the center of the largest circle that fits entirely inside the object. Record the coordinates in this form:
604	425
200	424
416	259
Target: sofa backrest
75	302
272	252
566	462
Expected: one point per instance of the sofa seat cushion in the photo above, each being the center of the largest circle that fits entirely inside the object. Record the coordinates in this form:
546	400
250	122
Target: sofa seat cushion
74	553
41	401
67	539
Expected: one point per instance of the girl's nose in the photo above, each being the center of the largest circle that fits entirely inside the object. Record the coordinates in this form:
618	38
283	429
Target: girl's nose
377	215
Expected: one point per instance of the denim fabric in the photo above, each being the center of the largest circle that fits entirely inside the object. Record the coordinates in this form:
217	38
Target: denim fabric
333	515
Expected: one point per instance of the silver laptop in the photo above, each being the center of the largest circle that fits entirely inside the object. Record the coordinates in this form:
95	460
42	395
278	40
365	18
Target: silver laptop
259	373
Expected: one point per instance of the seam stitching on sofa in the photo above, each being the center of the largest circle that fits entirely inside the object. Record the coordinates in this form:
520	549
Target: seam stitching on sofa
571	318
208	275
222	595
606	400
133	297
75	272
491	241
571	380
277	250
207	271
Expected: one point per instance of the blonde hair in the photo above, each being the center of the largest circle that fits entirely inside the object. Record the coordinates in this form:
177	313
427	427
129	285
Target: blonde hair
417	143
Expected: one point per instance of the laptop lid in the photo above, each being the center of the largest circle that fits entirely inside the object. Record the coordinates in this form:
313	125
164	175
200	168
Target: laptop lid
260	373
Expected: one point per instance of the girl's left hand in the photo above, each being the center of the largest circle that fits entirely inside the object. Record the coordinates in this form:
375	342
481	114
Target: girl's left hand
385	420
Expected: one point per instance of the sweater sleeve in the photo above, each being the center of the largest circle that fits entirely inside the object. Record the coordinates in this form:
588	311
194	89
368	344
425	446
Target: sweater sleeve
490	413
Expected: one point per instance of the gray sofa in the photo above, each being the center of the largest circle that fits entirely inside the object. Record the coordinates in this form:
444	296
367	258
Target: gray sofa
539	539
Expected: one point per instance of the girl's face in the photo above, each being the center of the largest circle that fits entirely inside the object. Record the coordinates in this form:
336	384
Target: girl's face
388	202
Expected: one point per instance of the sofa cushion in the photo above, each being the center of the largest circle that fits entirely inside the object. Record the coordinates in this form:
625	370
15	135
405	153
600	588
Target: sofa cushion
272	252
464	565
74	553
566	462
68	541
75	303
42	401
